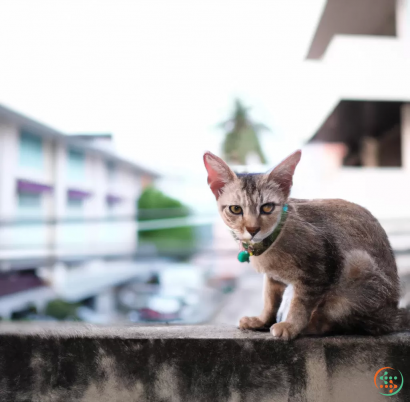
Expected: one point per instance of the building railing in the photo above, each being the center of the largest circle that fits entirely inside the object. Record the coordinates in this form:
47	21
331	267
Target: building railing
34	238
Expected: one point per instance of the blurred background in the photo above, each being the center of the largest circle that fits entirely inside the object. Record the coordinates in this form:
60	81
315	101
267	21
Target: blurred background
106	108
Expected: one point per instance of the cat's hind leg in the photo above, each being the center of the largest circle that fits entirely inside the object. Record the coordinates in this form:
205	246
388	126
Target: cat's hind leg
363	301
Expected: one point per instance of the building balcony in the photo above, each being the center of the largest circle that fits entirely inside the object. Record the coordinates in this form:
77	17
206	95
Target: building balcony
27	240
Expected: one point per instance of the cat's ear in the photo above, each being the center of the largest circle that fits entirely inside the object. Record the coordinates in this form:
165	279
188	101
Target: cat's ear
219	173
283	173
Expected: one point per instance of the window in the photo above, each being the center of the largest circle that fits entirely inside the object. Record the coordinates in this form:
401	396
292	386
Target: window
76	164
110	209
75	207
29	200
31	150
75	204
111	171
74	233
29	204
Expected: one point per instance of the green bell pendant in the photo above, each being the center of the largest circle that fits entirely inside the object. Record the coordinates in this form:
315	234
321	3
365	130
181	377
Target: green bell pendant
243	256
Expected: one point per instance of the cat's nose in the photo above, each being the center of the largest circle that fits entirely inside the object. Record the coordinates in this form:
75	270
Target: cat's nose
252	230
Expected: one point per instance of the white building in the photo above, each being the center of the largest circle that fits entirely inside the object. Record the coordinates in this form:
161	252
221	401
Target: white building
67	213
359	144
357	140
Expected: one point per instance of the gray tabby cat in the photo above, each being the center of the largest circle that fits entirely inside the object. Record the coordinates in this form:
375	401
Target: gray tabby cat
334	253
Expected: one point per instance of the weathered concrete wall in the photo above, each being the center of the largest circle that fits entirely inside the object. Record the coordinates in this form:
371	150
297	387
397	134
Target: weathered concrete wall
201	363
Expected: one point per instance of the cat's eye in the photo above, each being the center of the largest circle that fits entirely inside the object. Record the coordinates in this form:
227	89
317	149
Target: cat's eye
267	208
235	209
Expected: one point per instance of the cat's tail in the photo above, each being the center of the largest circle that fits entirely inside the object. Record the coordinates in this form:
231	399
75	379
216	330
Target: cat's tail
403	319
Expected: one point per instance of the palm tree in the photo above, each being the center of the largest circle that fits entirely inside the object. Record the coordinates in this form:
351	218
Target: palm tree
241	138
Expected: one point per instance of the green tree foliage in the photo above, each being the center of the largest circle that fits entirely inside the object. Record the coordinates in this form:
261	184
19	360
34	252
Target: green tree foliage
241	138
62	310
154	204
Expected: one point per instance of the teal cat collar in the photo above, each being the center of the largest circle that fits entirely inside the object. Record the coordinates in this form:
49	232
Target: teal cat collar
257	249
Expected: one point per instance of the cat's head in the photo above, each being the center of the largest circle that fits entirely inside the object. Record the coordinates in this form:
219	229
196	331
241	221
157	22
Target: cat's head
250	204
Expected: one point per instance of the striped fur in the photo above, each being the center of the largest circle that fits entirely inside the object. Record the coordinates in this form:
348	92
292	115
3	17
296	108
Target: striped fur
334	253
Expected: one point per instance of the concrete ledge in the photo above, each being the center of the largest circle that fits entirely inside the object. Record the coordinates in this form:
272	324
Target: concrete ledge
67	362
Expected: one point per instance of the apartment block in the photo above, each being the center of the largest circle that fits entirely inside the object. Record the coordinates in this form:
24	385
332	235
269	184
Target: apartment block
67	215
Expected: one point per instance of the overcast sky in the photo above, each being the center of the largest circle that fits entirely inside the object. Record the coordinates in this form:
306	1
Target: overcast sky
160	75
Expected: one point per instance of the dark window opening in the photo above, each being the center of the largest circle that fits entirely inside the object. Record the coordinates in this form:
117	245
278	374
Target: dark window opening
370	130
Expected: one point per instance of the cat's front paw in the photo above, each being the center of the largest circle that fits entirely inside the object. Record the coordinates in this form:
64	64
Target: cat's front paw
284	330
251	323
